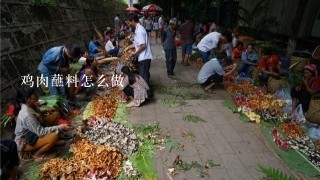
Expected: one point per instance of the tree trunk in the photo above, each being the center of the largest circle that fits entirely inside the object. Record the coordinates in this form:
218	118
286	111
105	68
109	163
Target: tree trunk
295	26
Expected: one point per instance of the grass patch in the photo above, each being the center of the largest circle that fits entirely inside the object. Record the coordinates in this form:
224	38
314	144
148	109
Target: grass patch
189	134
193	118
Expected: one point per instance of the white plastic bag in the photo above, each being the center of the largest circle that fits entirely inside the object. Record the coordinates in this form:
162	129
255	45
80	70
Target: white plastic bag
284	94
298	116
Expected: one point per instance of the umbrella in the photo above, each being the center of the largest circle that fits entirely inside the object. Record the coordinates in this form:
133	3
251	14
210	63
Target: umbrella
153	12
152	7
132	9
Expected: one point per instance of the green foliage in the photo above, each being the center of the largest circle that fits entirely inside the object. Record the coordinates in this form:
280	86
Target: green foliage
33	170
193	118
200	169
69	155
55	101
274	174
170	144
5	120
144	163
258	17
190	135
122	114
42	2
172	103
194	56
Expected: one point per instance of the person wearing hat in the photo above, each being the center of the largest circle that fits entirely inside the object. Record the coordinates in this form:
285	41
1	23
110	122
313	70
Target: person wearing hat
167	39
211	41
310	84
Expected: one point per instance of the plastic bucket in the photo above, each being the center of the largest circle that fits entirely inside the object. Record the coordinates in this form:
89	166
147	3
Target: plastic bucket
299	60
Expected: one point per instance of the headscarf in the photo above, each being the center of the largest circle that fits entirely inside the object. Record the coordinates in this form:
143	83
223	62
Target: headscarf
312	68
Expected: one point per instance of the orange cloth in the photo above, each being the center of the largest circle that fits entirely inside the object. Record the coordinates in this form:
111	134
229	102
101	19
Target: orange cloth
44	143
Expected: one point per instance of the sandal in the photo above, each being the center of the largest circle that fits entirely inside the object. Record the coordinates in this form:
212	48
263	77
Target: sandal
45	157
209	91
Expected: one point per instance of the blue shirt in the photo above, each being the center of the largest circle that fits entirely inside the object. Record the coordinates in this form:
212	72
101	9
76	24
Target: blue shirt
208	69
168	39
93	49
52	60
253	57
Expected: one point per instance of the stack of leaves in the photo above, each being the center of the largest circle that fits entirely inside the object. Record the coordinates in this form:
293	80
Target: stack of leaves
87	157
55	101
115	135
292	130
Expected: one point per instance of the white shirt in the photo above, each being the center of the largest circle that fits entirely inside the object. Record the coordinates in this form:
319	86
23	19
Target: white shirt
141	37
209	42
109	46
160	23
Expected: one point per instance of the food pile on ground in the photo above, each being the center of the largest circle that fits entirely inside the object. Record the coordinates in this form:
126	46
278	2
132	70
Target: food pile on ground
115	135
87	158
292	130
306	146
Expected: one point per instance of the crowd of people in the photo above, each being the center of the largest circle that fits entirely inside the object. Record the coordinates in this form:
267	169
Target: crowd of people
220	51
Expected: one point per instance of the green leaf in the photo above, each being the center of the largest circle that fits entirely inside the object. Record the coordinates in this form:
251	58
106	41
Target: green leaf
144	163
274	174
193	118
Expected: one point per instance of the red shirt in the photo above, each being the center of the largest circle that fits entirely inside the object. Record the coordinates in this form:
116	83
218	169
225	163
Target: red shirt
264	63
237	53
315	84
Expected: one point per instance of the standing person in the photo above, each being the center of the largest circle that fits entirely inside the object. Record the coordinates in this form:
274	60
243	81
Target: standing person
161	24
56	62
156	28
148	26
186	31
117	23
167	39
142	47
211	41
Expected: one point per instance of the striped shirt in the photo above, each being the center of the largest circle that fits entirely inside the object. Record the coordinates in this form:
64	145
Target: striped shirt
27	120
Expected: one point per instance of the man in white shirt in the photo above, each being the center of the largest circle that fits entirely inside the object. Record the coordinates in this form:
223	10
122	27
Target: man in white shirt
211	41
110	47
142	47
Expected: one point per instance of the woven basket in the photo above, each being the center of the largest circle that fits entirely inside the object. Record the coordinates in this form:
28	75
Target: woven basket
275	84
299	60
313	114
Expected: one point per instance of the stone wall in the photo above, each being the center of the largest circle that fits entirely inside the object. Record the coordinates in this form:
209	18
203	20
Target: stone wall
28	31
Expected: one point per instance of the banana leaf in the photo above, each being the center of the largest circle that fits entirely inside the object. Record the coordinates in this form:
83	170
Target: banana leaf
55	101
144	163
